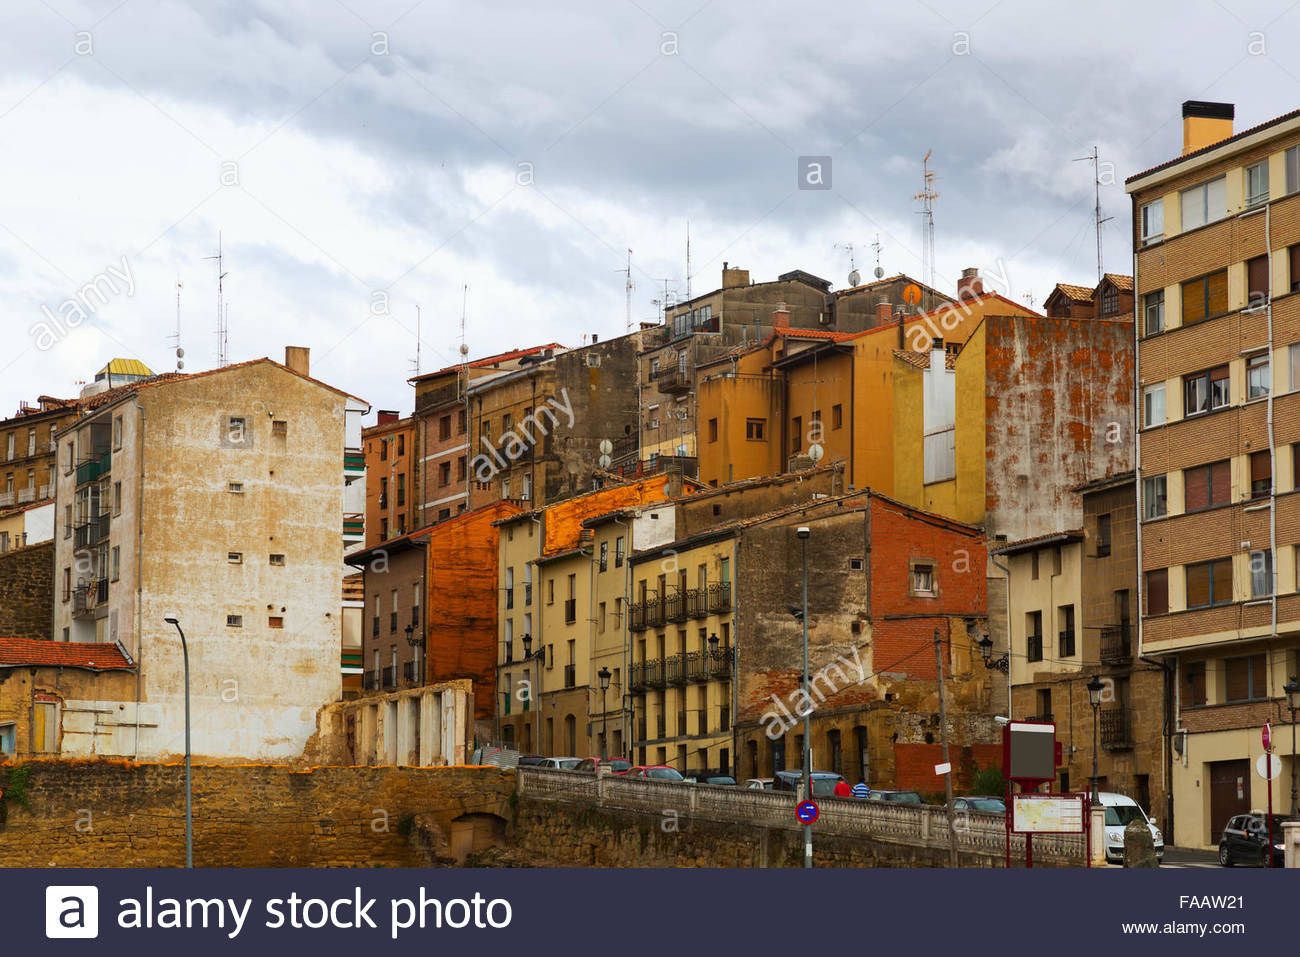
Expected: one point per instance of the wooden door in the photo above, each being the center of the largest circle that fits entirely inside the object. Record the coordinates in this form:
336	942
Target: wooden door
1229	793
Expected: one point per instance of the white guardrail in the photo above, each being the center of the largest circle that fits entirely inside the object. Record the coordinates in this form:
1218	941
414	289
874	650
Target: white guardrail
890	823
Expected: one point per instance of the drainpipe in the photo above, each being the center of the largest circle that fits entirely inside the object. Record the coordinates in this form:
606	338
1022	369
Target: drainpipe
1006	576
626	711
735	654
1272	445
139	579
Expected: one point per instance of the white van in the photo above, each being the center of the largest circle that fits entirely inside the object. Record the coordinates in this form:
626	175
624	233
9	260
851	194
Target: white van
1120	810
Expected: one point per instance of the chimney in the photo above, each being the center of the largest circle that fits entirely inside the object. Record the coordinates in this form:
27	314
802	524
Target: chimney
937	355
386	416
298	358
594	338
781	317
1205	124
970	285
884	312
734	277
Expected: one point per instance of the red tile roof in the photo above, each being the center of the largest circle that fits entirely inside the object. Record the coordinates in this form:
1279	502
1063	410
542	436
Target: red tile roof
831	334
922	359
491	360
1120	282
1074	293
25	652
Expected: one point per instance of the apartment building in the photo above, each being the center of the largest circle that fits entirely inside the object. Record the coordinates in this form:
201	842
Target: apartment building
27	446
217	497
1216	240
389	447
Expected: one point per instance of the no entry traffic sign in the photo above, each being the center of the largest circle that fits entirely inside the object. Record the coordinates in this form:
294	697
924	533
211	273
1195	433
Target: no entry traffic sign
807	811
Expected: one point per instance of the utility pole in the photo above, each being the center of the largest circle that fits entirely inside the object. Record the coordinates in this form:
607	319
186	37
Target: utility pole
943	735
806	757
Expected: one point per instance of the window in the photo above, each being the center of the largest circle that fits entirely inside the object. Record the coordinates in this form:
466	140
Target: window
1205	298
837	416
1257	183
1256	282
1209	583
1293	276
460	422
550	591
116	563
1292	164
1206	391
1155	502
923	583
460	469
234	621
67	521
754	429
713	430
1153	405
117	498
117	433
618	552
1261	474
1244	678
1156	591
1109	302
1153	222
1207	485
1103	535
1034	636
236	488
1205	203
604	556
401	489
235	558
1033	566
383	529
276	559
1153	312
274	621
1259	376
1195	683
401	443
444	473
1261	573
1066	644
280	429
796	433
67	584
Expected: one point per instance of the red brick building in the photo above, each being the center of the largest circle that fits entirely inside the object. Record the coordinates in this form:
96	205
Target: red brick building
389	448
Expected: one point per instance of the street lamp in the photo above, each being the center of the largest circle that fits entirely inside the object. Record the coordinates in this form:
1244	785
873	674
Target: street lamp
603	674
175	622
416	642
1002	663
528	705
803	534
1292	689
1095	687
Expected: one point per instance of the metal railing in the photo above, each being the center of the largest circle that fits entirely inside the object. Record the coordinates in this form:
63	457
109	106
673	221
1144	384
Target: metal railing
1065	644
1116	643
1034	648
980	835
655	613
675	669
390	677
676	606
719	597
1116	728
636	616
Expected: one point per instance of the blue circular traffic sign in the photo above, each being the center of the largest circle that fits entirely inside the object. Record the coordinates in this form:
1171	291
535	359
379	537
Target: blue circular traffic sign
807	811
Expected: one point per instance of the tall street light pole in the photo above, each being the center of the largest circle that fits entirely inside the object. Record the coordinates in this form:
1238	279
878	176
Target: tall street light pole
943	734
803	533
1095	687
175	622
1292	690
604	675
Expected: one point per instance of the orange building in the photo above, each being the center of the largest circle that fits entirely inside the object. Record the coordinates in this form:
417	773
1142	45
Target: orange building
389	448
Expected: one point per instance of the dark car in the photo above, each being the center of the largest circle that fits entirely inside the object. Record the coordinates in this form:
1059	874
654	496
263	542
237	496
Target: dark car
530	760
710	777
616	765
897	797
1245	840
656	772
823	782
991	805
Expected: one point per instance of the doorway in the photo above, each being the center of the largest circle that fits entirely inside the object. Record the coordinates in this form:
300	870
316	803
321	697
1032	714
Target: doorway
1229	793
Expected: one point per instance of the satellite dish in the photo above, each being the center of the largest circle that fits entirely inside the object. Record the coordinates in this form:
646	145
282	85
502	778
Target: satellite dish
180	353
464	349
606	446
604	461
180	365
854	278
815	452
879	272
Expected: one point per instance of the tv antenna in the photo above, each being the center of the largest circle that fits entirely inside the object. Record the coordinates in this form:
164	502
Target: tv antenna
688	259
176	337
416	361
628	285
223	324
855	277
667	302
464	349
1095	159
878	272
927	196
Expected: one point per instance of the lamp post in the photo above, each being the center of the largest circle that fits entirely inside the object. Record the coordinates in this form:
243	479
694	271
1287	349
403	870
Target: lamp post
532	725
1095	687
1292	689
417	643
604	674
175	622
1002	663
803	534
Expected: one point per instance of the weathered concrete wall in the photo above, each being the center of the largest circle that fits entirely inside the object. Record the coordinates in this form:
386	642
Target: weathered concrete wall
430	725
87	707
111	814
27	591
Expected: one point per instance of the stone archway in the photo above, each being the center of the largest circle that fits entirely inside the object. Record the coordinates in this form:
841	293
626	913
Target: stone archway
476	832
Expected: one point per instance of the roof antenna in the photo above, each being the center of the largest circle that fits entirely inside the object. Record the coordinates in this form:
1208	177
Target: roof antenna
223	325
416	360
688	260
629	285
855	277
927	196
877	272
1095	159
176	337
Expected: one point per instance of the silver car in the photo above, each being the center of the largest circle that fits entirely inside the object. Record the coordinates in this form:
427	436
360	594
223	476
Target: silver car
560	764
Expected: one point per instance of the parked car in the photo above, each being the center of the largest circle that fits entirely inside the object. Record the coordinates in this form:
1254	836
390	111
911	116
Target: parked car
530	760
1120	810
1244	840
710	777
560	764
897	797
823	782
656	772
990	805
616	765
758	784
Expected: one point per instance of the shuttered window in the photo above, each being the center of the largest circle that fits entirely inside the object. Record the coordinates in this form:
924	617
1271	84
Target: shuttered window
1244	678
1209	583
1196	683
1157	591
1205	297
1207	485
1256	281
1261	474
1294	256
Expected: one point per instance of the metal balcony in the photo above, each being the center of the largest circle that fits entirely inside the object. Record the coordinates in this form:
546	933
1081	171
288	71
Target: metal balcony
675	669
676	606
696	603
655	616
92	469
636	617
1116	728
1116	644
390	677
719	597
653	673
672	380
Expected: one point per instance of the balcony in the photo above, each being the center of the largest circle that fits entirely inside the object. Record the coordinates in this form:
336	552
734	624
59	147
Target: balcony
675	669
370	681
27	494
676	606
1045	718
408	672
1116	644
93	468
6	499
1034	648
570	610
1116	728
697	666
672	380
1065	644
89	595
45	492
655	616
390	677
636	617
696	604
718	598
719	663
652	673
81	535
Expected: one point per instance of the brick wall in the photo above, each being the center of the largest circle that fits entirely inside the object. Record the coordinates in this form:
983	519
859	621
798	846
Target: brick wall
118	814
27	591
914	765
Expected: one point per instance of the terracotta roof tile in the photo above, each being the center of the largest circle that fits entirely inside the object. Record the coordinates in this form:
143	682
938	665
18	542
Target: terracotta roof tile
922	359
1214	146
1120	282
491	360
1074	293
20	652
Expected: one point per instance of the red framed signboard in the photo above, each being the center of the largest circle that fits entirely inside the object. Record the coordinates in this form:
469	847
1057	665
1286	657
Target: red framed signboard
1029	752
1049	813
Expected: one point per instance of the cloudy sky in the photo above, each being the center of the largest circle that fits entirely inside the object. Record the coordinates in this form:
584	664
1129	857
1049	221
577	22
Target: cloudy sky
361	158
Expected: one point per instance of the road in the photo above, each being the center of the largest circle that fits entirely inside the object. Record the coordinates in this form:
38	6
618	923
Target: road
1190	857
